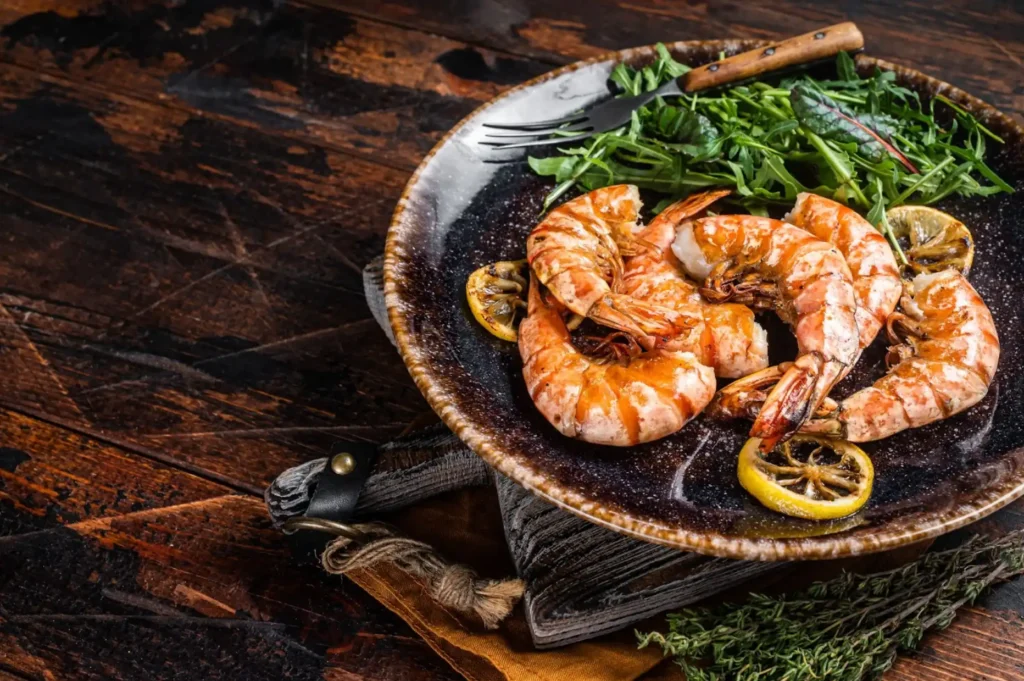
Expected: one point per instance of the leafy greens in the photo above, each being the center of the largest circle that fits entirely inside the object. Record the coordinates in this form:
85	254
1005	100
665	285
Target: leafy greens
867	142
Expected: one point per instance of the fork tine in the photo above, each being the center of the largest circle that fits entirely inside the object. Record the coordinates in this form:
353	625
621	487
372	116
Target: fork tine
580	127
533	125
539	143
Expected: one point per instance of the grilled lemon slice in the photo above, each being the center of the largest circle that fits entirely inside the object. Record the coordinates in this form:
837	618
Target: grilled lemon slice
938	241
497	296
811	477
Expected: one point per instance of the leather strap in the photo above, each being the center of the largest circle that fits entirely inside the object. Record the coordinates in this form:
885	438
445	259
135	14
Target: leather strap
337	492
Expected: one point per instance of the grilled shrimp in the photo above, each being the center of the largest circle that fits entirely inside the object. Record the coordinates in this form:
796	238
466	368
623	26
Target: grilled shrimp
876	276
769	263
611	402
945	365
576	252
724	336
877	286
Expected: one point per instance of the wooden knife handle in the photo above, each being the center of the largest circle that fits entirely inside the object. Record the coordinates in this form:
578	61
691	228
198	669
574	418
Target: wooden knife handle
820	44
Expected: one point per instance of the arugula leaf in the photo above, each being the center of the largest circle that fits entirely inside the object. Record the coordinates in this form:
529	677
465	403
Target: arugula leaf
775	170
669	65
634	82
627	78
842	169
781	127
694	132
979	164
547	166
846	67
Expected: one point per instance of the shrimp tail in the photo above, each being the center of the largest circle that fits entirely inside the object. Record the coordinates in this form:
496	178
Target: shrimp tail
795	398
827	421
830	426
643	321
743	397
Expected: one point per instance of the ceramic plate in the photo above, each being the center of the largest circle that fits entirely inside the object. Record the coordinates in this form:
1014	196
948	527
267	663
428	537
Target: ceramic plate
462	209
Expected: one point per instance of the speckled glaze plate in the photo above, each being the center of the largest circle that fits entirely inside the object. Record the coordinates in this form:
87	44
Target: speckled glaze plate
461	210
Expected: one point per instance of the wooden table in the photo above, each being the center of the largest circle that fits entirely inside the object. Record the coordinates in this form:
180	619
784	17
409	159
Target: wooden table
188	191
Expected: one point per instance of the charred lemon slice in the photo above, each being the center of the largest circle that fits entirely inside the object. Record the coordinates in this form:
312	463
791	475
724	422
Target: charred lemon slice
938	241
808	477
497	295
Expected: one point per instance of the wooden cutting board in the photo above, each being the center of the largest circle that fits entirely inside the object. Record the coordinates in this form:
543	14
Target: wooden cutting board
582	580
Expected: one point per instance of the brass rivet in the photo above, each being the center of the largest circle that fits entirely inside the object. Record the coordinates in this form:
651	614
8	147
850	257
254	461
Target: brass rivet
343	464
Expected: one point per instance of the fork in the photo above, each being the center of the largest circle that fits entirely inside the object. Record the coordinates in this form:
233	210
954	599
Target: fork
616	112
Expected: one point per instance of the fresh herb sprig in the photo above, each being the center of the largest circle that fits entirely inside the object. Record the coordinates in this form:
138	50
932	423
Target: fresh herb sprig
867	142
847	629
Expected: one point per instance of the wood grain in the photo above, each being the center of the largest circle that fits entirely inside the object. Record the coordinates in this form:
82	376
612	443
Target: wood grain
51	477
376	90
980	645
977	46
584	580
207	301
238	264
189	189
100	545
207	589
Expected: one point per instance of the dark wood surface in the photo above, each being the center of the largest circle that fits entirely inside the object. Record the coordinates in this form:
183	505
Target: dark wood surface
188	190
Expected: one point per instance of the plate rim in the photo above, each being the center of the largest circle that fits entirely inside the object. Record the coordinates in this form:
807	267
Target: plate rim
985	502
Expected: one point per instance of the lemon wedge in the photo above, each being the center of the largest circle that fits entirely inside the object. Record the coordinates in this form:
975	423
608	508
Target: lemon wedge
497	296
938	241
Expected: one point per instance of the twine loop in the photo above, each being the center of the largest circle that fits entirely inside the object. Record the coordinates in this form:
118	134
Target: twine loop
454	586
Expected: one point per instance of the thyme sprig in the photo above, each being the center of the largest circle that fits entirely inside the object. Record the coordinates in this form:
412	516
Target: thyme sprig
846	629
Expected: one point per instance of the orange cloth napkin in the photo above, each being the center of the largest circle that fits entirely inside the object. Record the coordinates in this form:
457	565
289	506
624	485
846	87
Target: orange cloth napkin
466	528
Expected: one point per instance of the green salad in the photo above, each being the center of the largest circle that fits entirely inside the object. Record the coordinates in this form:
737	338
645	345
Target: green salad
867	142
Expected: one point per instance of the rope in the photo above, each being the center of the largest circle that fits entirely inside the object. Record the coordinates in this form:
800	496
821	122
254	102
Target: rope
453	586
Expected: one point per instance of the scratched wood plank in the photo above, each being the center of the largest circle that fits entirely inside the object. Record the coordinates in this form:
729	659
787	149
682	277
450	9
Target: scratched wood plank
204	590
79	596
51	477
8	676
159	187
205	187
373	89
188	286
980	645
976	45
